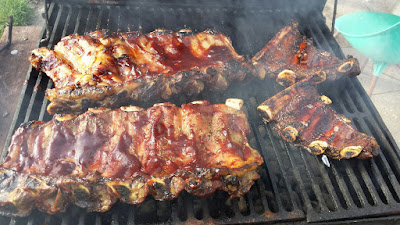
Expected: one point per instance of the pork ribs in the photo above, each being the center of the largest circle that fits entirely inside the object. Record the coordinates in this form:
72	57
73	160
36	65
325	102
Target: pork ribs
103	155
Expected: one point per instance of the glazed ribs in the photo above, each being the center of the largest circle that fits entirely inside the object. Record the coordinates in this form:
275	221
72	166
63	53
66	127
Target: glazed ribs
103	155
290	57
101	70
301	116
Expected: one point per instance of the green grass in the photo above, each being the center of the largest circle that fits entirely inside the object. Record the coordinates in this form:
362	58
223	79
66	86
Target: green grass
19	9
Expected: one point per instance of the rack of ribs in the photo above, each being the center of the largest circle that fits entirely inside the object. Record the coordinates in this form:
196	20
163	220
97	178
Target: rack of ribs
301	116
110	70
103	155
290	57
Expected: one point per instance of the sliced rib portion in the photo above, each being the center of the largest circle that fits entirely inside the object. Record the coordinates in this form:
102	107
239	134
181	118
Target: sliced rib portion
290	57
109	70
300	115
103	155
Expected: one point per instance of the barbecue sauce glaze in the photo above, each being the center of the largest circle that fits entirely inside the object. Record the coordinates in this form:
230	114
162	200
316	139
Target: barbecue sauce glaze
159	141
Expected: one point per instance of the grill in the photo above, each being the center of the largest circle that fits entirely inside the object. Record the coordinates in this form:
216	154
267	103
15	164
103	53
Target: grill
295	187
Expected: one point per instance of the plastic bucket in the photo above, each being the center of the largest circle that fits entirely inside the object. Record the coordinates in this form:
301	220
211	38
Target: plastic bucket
374	34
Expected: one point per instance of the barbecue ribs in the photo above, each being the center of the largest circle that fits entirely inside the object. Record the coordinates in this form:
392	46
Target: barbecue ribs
300	115
290	57
100	70
103	155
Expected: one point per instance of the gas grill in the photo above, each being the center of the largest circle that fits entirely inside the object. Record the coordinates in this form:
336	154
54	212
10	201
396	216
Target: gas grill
295	187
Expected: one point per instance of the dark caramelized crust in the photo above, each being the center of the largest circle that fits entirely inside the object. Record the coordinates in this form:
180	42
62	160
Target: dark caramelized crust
300	115
109	70
104	155
290	57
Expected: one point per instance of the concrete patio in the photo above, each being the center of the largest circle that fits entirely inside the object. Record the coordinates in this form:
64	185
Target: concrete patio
386	95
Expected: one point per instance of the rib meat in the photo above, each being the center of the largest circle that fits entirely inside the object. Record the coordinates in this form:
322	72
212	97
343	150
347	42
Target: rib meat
300	115
100	70
290	57
103	155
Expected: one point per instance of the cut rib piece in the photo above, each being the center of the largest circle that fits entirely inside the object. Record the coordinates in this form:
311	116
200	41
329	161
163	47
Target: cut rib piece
300	115
100	70
290	57
103	155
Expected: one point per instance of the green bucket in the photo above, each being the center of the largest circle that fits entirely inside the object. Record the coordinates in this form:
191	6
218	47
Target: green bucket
374	34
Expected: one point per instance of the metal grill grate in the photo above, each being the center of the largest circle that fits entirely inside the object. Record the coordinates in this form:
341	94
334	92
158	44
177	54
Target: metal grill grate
294	185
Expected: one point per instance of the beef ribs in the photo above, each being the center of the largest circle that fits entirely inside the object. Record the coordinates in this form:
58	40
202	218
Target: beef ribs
290	57
301	116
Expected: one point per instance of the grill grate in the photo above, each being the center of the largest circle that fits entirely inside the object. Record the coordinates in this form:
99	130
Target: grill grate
294	185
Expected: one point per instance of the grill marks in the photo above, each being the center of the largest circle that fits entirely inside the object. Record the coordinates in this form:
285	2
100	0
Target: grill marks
109	70
101	156
289	50
308	121
336	172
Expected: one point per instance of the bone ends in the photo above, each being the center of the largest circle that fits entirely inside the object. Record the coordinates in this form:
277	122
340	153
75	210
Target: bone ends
317	147
351	151
235	103
346	67
326	100
64	117
286	78
265	112
289	134
317	77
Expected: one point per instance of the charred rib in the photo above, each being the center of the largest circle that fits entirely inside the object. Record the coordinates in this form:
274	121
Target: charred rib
290	51
99	70
96	158
305	118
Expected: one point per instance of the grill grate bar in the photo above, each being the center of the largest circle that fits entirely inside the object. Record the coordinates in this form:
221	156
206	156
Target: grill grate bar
314	184
81	220
88	20
372	164
264	202
383	142
342	186
30	221
43	108
348	171
276	153
33	98
288	173
328	183
353	182
381	186
131	216
65	220
352	110
13	221
205	210
114	218
29	113
361	168
248	201
98	23
189	207
280	163
78	20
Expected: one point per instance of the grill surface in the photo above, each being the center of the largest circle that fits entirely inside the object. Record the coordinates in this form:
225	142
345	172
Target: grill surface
295	186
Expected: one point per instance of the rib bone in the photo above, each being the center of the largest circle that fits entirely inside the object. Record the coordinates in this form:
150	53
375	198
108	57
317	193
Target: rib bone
305	118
